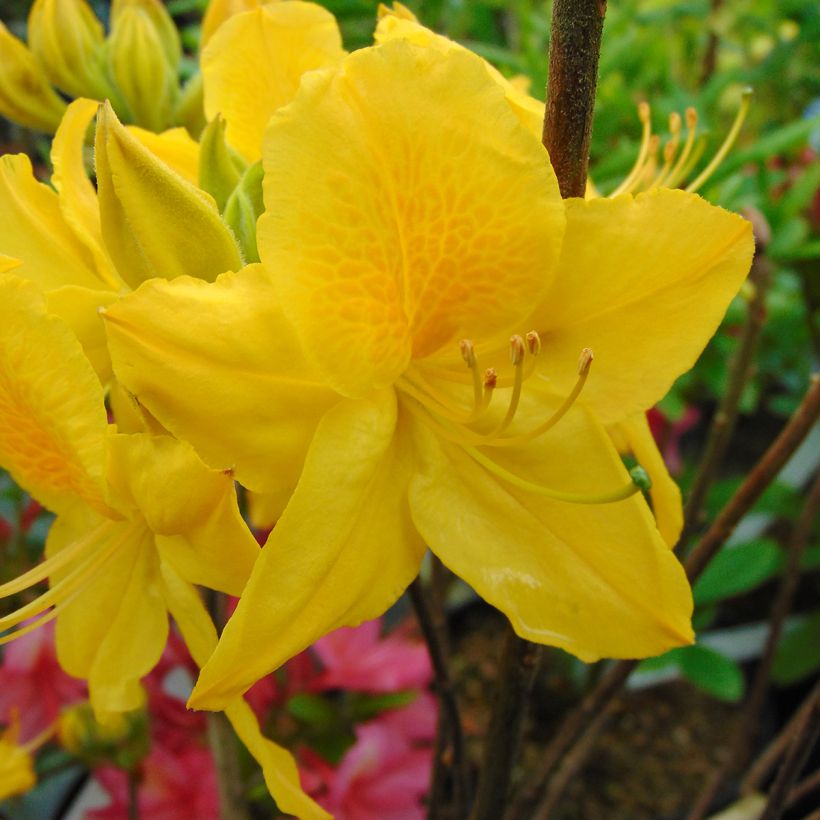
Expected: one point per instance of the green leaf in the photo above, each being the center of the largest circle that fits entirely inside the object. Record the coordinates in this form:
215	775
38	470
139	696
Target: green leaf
364	707
716	674
312	709
737	569
798	653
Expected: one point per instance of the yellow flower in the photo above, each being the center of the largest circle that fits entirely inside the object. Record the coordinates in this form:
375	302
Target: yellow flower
16	765
136	67
140	520
84	246
433	216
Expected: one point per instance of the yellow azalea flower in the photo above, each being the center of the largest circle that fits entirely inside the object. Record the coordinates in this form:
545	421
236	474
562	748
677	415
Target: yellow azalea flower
140	519
16	765
146	218
136	67
435	218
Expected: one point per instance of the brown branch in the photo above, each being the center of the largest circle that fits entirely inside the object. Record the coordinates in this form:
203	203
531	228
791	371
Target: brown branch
450	760
725	418
746	733
805	736
225	750
519	664
575	45
576	727
803	789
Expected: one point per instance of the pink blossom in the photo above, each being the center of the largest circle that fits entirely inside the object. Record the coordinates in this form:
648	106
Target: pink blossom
173	785
33	685
668	433
358	658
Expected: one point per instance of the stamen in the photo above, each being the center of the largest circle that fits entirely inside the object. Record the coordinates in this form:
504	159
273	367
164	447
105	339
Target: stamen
517	350
648	172
468	354
745	102
691	129
619	494
700	148
669	150
644	114
533	342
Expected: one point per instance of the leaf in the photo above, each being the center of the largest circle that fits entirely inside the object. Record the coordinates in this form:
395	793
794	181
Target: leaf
312	709
716	674
738	569
798	653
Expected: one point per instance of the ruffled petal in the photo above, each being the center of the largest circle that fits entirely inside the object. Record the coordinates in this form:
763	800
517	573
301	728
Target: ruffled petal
52	410
644	282
343	551
593	579
219	367
439	217
254	63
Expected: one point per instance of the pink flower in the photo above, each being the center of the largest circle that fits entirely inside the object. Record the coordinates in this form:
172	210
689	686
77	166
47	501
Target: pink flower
173	785
33	684
359	659
668	433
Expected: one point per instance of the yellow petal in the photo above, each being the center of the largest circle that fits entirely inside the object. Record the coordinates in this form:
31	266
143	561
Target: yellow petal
174	147
593	579
113	632
190	508
236	387
665	493
68	39
77	196
34	230
26	95
79	309
400	24
644	282
16	769
253	64
219	11
278	766
264	509
343	551
428	226
155	223
52	411
8	263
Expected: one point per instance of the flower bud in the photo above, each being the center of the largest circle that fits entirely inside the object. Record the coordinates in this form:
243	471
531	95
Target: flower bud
245	205
219	168
122	739
68	42
26	95
161	22
141	70
154	222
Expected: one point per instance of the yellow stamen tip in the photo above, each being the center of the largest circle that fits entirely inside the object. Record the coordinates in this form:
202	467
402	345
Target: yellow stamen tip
643	111
467	352
691	117
674	122
490	378
534	342
585	361
517	350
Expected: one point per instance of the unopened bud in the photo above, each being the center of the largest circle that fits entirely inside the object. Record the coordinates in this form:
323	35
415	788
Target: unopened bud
640	478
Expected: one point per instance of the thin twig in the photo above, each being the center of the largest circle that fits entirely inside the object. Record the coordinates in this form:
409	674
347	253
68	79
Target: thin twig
746	733
575	45
725	418
450	730
225	751
576	726
517	670
710	54
133	793
804	738
803	789
762	767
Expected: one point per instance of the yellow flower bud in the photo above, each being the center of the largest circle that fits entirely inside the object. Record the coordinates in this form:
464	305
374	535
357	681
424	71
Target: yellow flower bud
154	222
26	96
67	40
121	739
161	22
141	69
219	167
16	766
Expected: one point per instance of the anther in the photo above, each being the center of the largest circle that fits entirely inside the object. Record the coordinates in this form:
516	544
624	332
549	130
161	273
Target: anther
674	123
643	111
585	361
490	378
517	350
691	115
467	352
533	342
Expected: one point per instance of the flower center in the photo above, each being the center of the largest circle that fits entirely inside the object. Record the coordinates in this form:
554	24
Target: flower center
462	425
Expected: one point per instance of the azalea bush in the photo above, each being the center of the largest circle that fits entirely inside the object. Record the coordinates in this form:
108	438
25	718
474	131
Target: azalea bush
300	324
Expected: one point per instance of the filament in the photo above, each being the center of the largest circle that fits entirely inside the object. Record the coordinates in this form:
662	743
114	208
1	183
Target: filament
745	102
634	174
691	129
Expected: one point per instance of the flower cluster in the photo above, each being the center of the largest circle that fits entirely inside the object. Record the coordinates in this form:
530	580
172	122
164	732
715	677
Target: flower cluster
358	295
